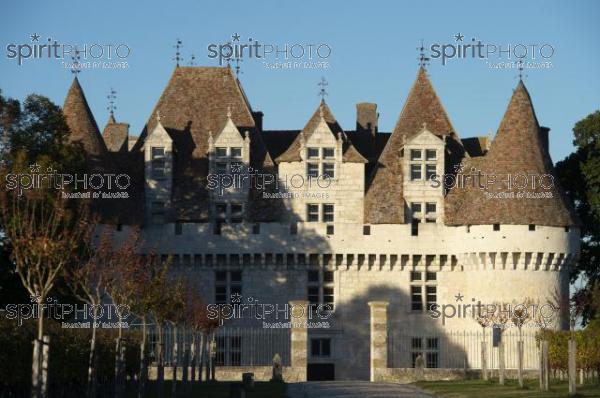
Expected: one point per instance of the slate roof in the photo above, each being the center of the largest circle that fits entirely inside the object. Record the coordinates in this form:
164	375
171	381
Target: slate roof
116	135
519	148
197	100
349	153
384	203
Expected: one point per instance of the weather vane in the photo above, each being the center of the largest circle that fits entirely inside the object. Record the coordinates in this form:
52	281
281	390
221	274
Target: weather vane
238	68
193	60
423	60
322	93
112	96
178	52
76	65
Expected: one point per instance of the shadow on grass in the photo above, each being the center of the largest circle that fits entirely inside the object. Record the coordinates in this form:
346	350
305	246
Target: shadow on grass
491	389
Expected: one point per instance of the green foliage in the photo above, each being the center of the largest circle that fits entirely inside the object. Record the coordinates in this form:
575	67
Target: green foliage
588	346
579	176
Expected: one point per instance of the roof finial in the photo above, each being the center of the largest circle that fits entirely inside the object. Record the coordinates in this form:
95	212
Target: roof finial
322	93
177	47
193	60
424	125
158	117
76	65
521	75
423	60
229	111
112	96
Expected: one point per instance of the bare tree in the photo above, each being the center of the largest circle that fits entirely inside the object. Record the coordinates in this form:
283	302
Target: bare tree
521	316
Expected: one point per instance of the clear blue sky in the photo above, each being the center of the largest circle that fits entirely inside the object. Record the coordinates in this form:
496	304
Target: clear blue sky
373	56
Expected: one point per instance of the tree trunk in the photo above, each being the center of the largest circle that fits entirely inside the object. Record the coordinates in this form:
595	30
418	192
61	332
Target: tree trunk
194	357
484	372
501	362
572	367
118	367
160	369
205	358
38	353
143	362
45	358
174	360
92	379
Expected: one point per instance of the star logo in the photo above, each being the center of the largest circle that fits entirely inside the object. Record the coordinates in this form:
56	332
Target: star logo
236	298
459	37
34	37
235	37
459	297
459	168
34	168
236	167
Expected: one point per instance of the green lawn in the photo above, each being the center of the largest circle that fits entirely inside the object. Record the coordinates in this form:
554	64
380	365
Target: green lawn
489	389
218	390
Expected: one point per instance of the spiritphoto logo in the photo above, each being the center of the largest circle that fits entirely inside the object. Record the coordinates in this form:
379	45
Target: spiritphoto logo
539	315
51	308
315	314
498	186
92	185
272	186
84	56
272	55
496	55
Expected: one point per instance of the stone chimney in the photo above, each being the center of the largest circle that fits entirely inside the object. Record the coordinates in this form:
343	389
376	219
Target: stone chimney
544	131
258	120
367	118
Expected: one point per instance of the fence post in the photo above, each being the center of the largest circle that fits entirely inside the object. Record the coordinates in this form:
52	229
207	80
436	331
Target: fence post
299	338
379	347
44	367
501	362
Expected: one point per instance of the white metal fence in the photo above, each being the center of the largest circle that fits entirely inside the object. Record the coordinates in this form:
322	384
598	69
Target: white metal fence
459	349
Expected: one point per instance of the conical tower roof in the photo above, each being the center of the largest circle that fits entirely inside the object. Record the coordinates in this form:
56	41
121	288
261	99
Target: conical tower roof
81	121
518	154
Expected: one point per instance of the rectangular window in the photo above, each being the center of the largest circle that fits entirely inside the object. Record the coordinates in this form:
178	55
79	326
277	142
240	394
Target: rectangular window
329	170
320	347
328	153
415	154
431	296
532	227
236	152
221	168
227	284
430	208
431	359
430	171
415	208
221	152
430	154
415	172
313	295
496	227
328	276
221	211
178	228
431	276
157	212
236	212
313	153
415	276
313	276
255	229
414	227
312	213
293	228
366	230
416	298
312	170
330	230
158	168
328	213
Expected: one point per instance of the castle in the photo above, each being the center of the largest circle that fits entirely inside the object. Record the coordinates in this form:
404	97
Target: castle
415	218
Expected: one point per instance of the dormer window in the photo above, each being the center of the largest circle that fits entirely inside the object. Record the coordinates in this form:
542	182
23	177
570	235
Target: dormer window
158	162
415	172
420	164
221	152
312	170
328	153
236	152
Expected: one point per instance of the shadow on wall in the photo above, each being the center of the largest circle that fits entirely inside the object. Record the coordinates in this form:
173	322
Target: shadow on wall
408	332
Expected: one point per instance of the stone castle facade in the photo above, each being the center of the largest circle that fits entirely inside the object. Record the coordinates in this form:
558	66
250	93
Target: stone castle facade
340	217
